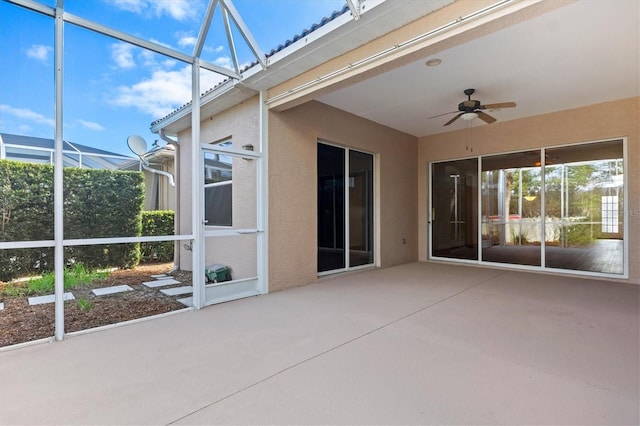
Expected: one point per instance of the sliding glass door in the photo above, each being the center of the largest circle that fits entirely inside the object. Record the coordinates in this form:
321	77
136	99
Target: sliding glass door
584	208
454	213
511	225
554	208
345	208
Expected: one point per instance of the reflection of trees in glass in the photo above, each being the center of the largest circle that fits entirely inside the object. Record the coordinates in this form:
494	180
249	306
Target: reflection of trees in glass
574	194
531	183
572	191
576	190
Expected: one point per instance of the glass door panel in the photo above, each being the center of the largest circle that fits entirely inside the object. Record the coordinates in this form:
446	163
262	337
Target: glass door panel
454	215
584	195
360	208
331	208
511	225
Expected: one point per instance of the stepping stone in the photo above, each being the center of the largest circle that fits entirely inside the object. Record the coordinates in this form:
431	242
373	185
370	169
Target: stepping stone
161	283
1	306
159	276
111	290
176	291
187	301
50	298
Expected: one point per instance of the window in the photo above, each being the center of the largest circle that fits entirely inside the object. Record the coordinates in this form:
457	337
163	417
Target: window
218	184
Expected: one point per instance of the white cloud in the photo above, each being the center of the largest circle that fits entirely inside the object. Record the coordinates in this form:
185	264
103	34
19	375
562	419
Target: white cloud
39	52
169	63
122	55
90	125
27	114
24	129
163	92
135	6
186	41
179	10
224	61
216	49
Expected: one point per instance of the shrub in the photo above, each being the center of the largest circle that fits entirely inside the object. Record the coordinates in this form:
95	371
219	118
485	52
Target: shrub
159	222
97	203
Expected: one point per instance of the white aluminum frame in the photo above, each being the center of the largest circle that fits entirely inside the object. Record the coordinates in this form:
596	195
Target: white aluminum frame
61	17
240	288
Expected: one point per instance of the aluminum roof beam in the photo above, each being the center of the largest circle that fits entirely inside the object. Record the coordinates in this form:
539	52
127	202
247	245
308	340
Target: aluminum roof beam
232	46
227	9
244	30
204	28
354	7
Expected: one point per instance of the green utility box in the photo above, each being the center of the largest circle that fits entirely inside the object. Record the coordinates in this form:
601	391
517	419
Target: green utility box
217	273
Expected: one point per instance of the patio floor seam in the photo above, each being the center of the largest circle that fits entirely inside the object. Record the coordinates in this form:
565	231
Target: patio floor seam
343	344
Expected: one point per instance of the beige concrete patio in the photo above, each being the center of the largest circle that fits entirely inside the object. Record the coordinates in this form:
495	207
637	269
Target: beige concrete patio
416	344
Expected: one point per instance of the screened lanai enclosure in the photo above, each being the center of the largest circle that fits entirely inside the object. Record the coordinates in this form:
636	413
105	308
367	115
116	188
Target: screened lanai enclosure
126	125
84	77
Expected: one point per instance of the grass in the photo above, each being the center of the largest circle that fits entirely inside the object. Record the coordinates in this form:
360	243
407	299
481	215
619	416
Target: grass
74	277
84	304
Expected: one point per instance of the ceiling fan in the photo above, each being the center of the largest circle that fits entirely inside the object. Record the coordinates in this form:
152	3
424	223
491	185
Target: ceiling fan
472	108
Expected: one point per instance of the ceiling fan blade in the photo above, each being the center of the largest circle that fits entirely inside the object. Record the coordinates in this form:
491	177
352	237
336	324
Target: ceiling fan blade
485	117
454	119
440	115
499	105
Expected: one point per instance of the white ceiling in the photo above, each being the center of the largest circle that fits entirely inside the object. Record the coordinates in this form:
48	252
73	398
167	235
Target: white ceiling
581	54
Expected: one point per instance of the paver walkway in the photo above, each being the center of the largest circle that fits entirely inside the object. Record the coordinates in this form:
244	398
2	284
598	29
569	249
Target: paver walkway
49	298
160	281
111	290
177	291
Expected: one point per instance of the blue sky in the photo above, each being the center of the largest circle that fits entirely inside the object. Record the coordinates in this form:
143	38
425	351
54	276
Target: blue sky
113	89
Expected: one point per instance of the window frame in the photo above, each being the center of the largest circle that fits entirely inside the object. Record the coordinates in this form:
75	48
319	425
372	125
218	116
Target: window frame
226	143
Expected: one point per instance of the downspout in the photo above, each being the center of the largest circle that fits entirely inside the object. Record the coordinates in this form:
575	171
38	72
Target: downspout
176	211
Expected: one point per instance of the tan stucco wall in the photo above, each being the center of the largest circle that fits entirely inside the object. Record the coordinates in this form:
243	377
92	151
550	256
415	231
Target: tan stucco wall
241	125
293	138
604	121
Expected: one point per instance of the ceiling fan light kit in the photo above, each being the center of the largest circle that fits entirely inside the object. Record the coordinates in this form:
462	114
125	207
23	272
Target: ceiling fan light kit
471	109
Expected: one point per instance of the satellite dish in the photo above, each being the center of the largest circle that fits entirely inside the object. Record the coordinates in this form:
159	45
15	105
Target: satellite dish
137	145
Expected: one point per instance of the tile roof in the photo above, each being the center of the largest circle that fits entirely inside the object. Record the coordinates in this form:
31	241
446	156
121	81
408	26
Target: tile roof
272	52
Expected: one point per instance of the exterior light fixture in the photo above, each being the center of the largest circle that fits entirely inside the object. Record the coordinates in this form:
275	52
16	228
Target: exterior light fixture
248	147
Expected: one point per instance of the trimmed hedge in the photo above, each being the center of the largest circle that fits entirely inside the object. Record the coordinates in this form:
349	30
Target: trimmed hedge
157	222
97	203
26	207
102	204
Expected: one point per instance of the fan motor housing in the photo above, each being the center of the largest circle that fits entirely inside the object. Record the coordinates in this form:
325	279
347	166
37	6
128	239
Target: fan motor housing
469	106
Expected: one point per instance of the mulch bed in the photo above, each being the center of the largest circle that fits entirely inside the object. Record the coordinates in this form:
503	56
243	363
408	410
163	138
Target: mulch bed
20	322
